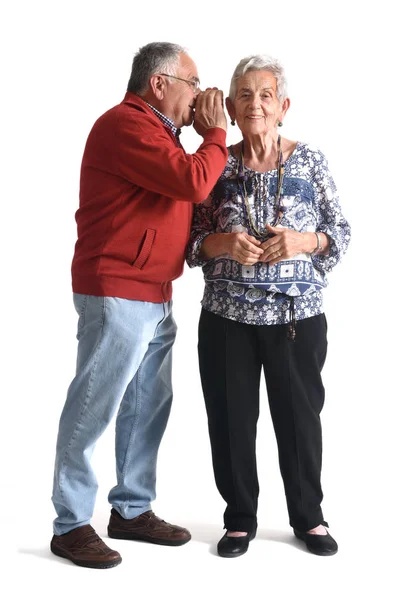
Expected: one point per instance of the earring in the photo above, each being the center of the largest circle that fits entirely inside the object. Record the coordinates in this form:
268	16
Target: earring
280	123
233	122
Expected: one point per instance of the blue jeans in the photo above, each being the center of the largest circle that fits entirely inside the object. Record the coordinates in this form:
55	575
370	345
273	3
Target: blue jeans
124	360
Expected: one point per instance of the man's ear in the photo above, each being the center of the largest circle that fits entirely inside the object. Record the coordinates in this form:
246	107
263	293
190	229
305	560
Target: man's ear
157	86
230	108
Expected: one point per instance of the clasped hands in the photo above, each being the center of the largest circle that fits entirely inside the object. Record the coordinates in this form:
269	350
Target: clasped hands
284	243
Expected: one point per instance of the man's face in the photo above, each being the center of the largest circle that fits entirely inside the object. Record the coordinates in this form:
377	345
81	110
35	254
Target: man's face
181	95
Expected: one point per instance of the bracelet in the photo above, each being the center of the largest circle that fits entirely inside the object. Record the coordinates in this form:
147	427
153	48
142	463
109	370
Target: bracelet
318	248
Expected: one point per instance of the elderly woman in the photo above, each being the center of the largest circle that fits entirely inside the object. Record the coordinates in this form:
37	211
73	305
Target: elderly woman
266	236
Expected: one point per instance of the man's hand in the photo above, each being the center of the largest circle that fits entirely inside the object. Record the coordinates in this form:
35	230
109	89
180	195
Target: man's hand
209	111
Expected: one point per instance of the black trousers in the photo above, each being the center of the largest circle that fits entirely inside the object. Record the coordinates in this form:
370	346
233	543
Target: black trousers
231	356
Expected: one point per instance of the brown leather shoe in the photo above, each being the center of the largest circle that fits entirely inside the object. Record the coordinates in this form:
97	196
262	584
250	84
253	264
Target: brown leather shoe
147	528
85	548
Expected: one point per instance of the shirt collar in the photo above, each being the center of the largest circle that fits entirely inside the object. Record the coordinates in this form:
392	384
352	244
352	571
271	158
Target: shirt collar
168	122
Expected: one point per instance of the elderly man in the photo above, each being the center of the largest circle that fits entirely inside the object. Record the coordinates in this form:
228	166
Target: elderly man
137	192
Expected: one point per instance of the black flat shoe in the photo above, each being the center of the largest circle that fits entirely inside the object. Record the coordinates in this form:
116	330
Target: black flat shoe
323	545
230	547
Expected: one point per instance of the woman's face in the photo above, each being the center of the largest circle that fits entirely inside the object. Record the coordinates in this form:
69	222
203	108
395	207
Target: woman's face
256	107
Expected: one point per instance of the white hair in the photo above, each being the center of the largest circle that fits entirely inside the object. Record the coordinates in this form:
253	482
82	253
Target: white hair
260	62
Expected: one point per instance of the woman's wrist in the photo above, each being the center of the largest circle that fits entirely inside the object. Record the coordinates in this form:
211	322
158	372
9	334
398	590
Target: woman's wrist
318	247
311	242
317	243
214	245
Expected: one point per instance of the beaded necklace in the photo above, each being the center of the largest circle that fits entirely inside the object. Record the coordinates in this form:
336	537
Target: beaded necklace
279	209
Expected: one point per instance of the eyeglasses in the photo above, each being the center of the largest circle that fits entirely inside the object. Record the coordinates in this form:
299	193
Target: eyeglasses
193	83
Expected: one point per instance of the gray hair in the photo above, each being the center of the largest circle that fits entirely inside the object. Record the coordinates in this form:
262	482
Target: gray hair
157	57
260	62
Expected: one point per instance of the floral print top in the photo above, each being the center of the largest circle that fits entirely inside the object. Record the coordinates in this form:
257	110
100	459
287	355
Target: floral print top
260	294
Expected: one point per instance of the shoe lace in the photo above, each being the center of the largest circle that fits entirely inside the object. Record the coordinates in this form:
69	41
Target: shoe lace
90	539
157	519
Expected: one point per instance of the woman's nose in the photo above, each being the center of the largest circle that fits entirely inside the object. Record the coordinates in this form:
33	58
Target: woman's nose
255	102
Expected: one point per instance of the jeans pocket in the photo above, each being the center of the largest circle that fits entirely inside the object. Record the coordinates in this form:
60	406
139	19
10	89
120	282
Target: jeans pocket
80	302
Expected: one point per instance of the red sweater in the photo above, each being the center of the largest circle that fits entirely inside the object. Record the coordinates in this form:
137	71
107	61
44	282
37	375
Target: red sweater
137	192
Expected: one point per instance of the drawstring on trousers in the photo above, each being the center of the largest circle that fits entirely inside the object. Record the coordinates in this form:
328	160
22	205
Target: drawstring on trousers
291	334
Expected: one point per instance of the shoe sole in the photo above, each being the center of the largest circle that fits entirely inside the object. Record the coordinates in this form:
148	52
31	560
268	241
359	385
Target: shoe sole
235	555
316	552
321	553
84	563
124	535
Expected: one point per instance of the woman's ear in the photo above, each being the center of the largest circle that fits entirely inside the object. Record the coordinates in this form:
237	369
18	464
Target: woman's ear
230	108
284	108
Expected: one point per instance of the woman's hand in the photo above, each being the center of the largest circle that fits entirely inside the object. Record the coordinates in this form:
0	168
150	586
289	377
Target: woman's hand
245	248
240	246
286	243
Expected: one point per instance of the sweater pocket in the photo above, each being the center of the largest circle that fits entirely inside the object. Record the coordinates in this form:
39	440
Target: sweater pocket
145	249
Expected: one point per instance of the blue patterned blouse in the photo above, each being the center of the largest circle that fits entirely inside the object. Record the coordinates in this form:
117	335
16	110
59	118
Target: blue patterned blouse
260	294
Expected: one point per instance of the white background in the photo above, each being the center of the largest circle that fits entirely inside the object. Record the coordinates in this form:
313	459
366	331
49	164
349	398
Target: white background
64	64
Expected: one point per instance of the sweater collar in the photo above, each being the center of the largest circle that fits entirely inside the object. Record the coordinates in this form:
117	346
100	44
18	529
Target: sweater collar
131	97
